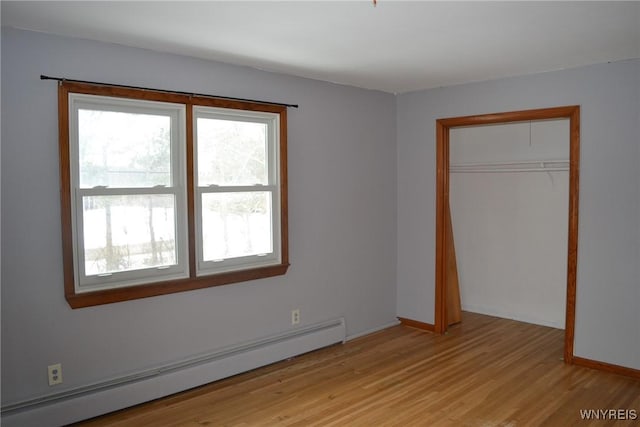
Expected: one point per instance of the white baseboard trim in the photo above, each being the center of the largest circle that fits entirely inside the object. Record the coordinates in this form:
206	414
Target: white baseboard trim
96	399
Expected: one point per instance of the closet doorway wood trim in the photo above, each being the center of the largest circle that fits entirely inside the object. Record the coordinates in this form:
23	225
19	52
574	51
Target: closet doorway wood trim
443	127
416	324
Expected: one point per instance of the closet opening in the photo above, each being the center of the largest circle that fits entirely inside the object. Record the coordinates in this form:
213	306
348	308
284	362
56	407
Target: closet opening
444	243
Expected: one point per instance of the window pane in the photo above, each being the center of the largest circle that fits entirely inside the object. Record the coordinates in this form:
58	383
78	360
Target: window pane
119	149
231	152
124	233
236	225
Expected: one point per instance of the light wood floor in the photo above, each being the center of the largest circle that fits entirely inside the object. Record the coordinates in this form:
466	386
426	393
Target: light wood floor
484	372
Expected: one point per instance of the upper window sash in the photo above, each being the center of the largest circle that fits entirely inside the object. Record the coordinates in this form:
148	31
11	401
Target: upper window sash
217	121
175	113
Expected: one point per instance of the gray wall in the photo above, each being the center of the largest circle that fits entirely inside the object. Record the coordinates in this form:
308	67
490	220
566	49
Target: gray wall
608	289
347	176
342	187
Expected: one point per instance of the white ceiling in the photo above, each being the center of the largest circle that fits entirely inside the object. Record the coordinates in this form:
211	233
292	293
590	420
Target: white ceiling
397	46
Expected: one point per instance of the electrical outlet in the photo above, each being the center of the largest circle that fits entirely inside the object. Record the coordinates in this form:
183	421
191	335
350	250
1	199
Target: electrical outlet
55	374
295	316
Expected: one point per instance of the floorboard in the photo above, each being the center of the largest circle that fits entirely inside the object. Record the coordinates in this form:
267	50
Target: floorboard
485	371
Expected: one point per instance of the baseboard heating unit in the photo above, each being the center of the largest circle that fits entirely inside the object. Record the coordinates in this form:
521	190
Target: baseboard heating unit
88	401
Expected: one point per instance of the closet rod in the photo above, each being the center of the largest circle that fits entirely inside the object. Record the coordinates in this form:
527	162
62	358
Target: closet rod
508	170
524	166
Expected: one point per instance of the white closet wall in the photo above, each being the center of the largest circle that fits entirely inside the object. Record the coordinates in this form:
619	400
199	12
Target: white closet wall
510	228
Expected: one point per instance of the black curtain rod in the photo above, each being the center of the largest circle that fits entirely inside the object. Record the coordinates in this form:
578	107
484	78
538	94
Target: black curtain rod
60	79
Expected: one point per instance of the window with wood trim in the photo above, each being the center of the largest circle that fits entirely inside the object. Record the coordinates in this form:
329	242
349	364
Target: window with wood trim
164	192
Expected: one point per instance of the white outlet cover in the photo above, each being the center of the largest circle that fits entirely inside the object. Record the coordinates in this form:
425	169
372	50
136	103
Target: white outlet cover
55	374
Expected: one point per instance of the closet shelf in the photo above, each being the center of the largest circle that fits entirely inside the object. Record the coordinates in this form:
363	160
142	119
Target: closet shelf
524	166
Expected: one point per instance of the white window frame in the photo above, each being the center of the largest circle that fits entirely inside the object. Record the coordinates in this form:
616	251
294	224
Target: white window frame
88	283
272	121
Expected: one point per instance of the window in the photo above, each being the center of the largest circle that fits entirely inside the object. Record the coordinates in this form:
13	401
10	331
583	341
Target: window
164	192
128	191
237	187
